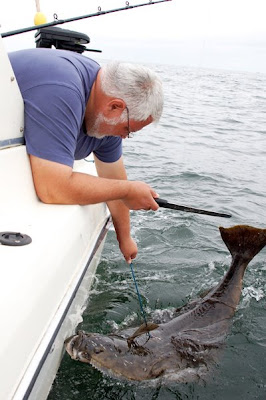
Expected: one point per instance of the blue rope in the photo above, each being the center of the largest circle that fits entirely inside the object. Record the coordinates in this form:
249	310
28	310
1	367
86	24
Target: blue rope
139	297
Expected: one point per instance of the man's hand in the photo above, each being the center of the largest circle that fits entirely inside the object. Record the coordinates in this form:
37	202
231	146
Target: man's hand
140	196
128	248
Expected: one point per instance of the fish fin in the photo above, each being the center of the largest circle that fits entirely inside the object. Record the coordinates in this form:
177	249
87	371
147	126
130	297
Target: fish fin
243	240
144	328
187	307
193	303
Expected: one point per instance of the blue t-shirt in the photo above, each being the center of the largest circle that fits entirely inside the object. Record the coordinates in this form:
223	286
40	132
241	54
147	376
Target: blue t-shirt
55	86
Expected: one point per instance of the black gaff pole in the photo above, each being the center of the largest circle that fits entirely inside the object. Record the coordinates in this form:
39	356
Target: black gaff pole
63	21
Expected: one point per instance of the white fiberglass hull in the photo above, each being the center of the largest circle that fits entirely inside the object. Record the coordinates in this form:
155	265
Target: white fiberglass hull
39	298
45	283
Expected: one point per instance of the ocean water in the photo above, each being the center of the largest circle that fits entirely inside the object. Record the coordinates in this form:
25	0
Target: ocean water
208	151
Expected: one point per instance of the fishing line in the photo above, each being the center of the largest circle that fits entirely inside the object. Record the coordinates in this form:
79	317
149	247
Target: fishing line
139	297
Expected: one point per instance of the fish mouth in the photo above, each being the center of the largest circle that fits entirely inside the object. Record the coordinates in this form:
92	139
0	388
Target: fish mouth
69	345
74	353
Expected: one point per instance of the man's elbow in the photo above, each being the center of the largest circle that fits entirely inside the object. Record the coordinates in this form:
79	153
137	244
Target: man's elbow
46	196
47	200
51	180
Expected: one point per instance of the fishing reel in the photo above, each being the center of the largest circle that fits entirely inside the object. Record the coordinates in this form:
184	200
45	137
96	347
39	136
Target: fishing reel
62	39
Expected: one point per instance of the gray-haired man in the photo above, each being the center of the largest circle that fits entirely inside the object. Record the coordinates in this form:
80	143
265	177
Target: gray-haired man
74	107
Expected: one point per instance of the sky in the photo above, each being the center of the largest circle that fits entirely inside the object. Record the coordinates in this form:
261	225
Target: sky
223	34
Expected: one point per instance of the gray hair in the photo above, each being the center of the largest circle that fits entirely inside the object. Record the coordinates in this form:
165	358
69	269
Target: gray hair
139	87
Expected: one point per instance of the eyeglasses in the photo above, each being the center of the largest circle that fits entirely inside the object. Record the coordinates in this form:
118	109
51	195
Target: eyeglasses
130	134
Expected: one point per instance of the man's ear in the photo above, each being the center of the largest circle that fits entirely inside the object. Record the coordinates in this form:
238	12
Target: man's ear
115	107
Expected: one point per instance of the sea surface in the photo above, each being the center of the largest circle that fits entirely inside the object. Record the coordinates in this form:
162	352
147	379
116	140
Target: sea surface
208	151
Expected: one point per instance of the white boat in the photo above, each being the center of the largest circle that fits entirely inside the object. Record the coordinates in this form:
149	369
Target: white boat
48	257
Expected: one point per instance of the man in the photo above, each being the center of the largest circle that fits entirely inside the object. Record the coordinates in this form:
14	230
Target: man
74	107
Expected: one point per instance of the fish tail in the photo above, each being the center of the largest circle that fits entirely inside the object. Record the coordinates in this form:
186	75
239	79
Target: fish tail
244	241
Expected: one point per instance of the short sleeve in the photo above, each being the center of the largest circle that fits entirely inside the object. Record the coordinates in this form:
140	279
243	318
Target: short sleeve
53	115
110	149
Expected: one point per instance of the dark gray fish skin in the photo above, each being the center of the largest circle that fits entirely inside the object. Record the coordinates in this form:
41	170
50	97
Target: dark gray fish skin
186	348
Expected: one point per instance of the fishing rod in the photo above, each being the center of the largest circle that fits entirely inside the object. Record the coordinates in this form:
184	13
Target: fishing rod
165	204
63	21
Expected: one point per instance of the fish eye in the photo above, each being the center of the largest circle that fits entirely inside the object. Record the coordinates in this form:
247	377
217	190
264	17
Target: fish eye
98	350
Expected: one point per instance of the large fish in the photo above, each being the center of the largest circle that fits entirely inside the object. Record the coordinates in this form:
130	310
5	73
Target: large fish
185	348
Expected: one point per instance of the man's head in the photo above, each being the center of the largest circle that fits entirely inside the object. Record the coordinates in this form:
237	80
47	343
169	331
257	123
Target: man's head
131	98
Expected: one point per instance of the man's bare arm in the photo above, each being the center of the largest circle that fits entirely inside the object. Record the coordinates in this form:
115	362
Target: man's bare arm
58	184
119	211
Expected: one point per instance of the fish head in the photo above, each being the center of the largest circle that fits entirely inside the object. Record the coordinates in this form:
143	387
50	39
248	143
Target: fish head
87	347
103	352
113	355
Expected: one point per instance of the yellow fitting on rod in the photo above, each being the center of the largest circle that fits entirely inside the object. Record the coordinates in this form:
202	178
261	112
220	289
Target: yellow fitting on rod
39	18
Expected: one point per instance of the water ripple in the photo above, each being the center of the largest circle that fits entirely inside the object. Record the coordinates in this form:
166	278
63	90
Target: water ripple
208	151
